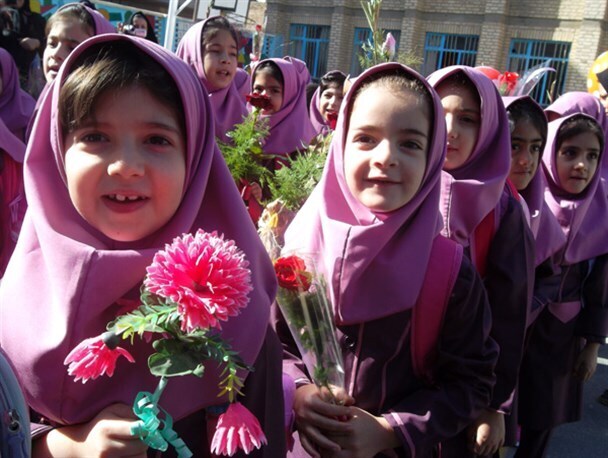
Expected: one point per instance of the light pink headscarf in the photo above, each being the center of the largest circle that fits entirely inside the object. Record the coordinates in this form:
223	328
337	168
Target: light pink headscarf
66	280
16	105
547	231
374	263
228	103
102	25
472	190
290	127
583	217
583	102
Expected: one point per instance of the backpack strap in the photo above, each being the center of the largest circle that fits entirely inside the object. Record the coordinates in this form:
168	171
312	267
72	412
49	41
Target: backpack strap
429	310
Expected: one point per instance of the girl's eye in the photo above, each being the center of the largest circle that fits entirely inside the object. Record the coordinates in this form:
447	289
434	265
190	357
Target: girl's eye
594	156
515	147
159	140
569	153
410	144
93	138
535	149
258	89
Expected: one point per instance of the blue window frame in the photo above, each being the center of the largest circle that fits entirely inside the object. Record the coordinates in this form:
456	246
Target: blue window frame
525	54
444	49
362	35
310	43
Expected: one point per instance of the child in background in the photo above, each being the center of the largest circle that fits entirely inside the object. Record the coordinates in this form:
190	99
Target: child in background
69	26
16	105
581	102
210	47
284	81
373	227
142	27
483	214
326	102
122	160
565	338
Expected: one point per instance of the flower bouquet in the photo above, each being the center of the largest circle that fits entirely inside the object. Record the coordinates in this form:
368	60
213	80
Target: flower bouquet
302	298
191	286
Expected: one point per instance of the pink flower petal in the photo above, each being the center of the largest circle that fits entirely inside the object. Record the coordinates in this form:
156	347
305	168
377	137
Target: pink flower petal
237	428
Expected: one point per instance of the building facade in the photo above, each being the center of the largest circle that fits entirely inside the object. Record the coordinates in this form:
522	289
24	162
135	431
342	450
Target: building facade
513	35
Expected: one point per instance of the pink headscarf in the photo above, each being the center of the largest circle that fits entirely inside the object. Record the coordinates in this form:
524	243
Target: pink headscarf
66	280
16	105
472	190
547	231
583	102
358	250
228	103
290	127
319	123
583	217
102	25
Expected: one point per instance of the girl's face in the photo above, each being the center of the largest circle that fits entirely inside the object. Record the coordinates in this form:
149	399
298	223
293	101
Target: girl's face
386	148
330	101
64	36
526	144
463	118
140	26
267	85
125	166
576	161
220	59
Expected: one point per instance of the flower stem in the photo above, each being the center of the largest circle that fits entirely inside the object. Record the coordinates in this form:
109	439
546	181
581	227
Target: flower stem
159	390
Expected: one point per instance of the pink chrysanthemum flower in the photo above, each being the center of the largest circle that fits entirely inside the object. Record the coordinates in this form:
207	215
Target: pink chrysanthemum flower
205	275
95	356
237	428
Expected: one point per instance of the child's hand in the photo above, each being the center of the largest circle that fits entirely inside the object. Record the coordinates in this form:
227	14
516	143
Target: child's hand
108	434
487	434
586	363
368	436
315	417
256	191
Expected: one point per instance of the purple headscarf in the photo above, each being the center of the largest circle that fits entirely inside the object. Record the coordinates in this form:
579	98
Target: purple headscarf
358	250
66	280
290	127
102	25
16	105
472	190
228	103
547	231
319	123
584	217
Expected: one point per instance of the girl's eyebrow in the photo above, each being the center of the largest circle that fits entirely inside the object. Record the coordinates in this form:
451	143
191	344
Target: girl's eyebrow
220	44
405	130
521	139
90	122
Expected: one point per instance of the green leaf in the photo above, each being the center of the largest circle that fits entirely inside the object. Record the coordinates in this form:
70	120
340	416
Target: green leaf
175	358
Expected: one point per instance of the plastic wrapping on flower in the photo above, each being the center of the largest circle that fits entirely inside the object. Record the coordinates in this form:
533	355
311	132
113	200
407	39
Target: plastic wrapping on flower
303	300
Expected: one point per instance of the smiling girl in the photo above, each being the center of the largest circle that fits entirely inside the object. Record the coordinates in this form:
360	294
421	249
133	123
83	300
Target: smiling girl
565	338
326	101
210	47
372	224
482	213
121	161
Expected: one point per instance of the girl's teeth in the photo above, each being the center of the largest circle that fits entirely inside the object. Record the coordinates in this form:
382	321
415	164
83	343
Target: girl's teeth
121	198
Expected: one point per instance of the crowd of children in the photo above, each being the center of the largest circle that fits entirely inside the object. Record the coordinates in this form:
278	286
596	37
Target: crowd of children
434	189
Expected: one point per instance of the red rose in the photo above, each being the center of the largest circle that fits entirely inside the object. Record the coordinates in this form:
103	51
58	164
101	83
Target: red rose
260	101
332	119
291	273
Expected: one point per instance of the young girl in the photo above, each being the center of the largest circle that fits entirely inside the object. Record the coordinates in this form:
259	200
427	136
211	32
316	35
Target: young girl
373	226
484	216
326	102
211	48
564	340
16	105
581	102
69	26
122	160
284	81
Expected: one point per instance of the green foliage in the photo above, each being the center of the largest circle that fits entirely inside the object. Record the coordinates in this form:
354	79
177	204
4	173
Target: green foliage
294	183
244	156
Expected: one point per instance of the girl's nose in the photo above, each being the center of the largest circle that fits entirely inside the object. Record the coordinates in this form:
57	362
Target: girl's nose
126	163
450	126
525	158
385	155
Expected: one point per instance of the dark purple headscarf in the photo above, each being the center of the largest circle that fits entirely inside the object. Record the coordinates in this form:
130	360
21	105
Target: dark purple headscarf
547	232
228	103
374	263
290	127
583	217
65	281
16	105
472	190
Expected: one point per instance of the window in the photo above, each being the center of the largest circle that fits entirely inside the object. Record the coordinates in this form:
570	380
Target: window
362	35
442	50
526	54
310	43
